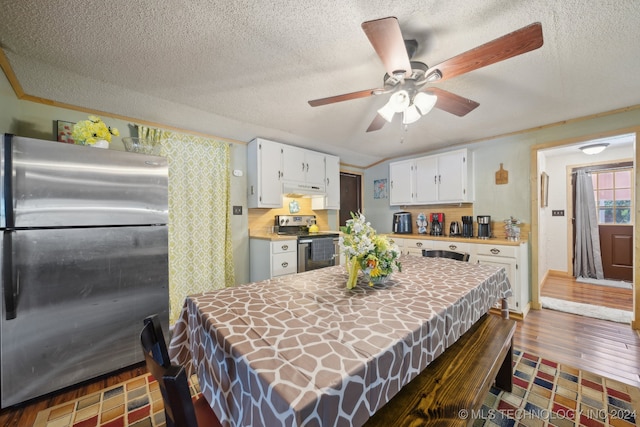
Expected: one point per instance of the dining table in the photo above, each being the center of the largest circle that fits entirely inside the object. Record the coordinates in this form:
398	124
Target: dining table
303	350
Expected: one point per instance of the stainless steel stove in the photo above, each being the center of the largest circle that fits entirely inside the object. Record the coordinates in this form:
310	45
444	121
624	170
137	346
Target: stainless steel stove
315	250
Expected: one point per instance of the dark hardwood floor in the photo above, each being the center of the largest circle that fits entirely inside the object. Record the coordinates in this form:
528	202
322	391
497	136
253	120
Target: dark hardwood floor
606	348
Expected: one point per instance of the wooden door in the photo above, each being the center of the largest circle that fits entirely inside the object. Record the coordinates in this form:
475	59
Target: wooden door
616	244
350	195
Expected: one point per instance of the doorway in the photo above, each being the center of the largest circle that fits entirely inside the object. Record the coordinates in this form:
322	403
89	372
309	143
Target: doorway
613	195
552	225
350	195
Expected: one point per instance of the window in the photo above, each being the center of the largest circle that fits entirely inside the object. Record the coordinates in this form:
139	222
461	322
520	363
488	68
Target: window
613	192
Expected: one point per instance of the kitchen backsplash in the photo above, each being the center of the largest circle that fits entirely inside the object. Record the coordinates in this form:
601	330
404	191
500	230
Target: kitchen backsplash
261	219
455	213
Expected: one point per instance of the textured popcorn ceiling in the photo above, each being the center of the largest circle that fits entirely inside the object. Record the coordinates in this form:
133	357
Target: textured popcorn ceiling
244	69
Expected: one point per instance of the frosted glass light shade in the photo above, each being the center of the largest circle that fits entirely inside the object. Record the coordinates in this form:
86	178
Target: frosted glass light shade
594	148
411	115
425	102
399	101
387	112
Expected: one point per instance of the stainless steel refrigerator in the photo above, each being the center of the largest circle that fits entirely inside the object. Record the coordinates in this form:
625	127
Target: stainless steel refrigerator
84	260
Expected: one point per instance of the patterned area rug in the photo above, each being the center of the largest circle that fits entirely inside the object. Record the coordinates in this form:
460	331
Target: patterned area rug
545	394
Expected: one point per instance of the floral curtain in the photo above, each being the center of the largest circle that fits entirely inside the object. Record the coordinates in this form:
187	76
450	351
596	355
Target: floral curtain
200	246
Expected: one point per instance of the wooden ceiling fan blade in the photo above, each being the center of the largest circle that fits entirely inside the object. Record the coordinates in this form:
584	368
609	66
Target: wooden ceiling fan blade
343	97
513	44
377	123
452	103
386	38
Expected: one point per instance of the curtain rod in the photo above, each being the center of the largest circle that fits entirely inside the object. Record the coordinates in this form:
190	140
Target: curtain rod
595	168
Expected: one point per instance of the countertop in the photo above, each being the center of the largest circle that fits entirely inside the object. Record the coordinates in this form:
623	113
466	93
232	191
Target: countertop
491	241
278	237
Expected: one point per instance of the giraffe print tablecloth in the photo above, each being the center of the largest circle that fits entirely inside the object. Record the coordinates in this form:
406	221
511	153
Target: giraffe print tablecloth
302	350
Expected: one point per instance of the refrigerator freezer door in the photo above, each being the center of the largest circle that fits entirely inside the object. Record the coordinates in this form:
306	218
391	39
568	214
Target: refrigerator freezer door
51	184
81	297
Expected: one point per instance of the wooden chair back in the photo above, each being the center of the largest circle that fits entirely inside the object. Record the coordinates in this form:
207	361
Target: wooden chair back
438	253
179	407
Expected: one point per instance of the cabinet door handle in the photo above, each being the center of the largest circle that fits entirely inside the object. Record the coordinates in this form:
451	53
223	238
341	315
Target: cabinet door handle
439	179
302	166
285	264
419	244
495	251
285	247
453	247
435	179
307	167
327	181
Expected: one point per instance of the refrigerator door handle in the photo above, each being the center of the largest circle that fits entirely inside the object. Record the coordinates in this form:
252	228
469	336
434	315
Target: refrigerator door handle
8	281
7	184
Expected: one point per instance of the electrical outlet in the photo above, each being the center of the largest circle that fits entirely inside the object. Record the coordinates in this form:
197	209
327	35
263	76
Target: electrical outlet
237	210
559	212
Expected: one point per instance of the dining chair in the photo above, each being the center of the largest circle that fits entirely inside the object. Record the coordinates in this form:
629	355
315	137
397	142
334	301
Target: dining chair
438	253
181	410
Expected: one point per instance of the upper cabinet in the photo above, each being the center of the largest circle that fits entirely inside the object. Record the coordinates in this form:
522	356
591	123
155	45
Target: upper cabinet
303	166
441	178
264	174
332	186
274	169
402	182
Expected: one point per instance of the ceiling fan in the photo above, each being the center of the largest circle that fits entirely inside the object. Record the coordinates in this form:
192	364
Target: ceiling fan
407	80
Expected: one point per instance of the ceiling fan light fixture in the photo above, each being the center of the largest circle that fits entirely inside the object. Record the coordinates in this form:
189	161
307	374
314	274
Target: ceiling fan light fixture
594	148
411	115
434	76
424	102
387	112
399	101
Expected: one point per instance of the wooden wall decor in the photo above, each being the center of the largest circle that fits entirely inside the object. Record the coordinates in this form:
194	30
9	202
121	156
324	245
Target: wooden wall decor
502	176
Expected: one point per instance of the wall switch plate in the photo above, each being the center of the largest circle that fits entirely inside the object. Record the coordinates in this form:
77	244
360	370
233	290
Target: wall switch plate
237	210
559	212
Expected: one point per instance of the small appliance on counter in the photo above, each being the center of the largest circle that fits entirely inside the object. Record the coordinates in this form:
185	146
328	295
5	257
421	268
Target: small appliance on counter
422	223
454	229
402	223
437	221
467	226
484	226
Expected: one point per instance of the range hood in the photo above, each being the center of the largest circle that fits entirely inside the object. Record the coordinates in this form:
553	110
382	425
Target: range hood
297	189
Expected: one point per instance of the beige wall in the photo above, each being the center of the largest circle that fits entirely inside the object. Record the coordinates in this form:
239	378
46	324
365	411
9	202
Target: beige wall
36	120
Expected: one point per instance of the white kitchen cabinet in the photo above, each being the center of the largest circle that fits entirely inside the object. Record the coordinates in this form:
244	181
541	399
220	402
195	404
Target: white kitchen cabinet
303	166
455	246
426	171
416	246
515	260
264	174
444	178
441	178
332	186
270	259
401	181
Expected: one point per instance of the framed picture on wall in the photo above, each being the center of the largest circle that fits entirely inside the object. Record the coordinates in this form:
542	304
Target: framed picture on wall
64	131
380	188
544	190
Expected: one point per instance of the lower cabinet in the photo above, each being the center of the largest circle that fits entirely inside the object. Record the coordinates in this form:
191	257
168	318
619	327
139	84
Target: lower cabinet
514	259
270	259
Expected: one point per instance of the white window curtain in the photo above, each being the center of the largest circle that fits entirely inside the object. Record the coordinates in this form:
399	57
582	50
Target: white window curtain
200	245
588	259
